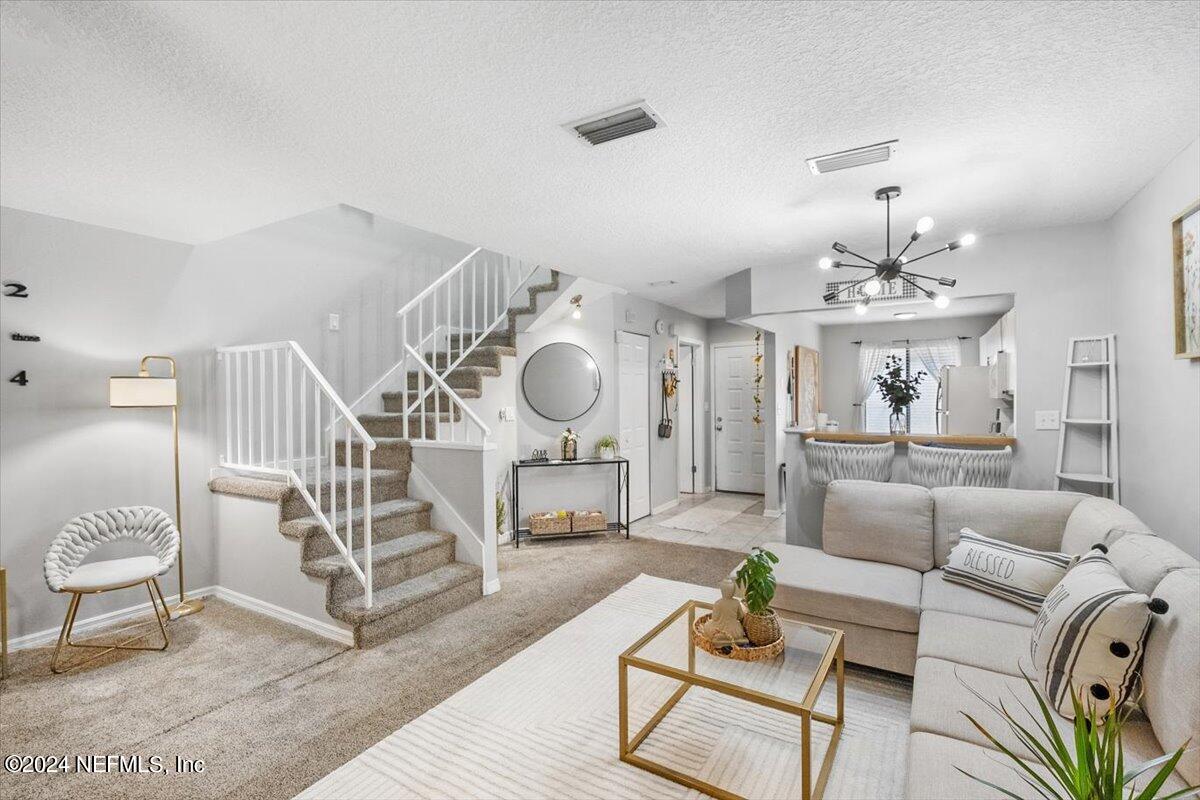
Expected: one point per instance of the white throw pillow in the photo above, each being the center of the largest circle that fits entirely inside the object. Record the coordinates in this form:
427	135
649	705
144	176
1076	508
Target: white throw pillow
1006	570
1089	635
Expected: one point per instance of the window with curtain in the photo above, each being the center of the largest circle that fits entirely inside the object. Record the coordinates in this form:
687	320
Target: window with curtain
929	355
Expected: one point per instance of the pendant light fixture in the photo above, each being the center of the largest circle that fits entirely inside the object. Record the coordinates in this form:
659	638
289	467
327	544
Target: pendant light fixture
891	267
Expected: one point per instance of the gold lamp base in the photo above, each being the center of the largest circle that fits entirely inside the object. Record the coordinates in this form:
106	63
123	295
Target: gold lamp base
188	607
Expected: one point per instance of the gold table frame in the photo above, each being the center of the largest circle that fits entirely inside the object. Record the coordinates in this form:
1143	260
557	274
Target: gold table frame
835	652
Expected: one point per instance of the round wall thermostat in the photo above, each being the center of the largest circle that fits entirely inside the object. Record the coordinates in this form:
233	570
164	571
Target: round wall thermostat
659	326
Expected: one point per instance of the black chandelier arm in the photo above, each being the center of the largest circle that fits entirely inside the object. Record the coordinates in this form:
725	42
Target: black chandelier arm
907	245
856	255
840	264
914	284
919	275
927	255
849	286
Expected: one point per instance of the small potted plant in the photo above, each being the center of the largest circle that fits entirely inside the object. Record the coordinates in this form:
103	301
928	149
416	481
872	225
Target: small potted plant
606	446
756	578
898	390
569	440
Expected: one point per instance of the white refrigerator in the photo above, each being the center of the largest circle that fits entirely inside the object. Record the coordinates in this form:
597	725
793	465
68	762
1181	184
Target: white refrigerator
964	403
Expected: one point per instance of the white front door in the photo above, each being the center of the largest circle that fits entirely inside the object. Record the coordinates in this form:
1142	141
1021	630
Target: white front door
739	444
633	393
684	421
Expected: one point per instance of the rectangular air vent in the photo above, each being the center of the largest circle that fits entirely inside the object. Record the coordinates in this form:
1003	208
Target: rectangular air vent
859	156
616	124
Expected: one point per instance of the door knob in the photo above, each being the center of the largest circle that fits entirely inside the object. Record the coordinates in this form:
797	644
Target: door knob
718	425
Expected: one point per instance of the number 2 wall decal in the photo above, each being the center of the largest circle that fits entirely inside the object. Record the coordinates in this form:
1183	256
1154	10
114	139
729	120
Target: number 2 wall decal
16	290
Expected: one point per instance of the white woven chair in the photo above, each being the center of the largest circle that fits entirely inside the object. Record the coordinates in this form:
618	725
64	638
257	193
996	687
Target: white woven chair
947	466
65	571
830	461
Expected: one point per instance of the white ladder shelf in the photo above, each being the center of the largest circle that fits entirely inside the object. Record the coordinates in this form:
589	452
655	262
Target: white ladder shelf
1089	356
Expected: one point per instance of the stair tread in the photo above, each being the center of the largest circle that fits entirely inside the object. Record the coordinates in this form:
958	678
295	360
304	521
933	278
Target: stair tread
464	368
465	394
302	526
406	545
415	415
356	475
257	488
407	593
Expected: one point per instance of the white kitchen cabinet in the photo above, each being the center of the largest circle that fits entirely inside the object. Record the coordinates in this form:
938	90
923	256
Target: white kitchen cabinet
999	339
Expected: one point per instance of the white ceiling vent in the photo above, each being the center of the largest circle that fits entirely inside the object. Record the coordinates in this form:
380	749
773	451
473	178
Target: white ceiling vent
857	157
616	124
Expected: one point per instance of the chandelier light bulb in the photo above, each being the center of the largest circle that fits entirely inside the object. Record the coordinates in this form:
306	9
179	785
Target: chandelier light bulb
860	308
940	301
825	263
967	240
872	287
577	313
924	225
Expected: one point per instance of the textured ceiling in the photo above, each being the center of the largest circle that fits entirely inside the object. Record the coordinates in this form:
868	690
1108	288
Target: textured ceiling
194	121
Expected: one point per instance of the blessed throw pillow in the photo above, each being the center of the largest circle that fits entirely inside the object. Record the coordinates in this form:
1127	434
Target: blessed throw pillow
1006	570
1089	635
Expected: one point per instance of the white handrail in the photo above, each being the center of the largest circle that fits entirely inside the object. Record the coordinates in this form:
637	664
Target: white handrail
446	388
431	288
289	455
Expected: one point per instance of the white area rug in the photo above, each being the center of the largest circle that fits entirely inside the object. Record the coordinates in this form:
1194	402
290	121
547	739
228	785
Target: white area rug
709	516
544	725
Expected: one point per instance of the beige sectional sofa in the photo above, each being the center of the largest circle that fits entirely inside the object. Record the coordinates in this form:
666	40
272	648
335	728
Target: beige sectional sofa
878	577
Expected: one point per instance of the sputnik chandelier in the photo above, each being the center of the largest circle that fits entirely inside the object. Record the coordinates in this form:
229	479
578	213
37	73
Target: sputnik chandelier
892	267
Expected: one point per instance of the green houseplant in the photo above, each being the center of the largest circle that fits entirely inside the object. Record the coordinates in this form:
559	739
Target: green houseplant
606	446
898	390
756	578
1090	767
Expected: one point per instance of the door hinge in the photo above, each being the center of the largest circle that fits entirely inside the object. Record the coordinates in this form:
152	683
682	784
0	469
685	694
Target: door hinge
693	469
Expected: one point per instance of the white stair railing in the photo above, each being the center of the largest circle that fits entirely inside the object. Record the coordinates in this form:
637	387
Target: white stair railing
439	329
282	418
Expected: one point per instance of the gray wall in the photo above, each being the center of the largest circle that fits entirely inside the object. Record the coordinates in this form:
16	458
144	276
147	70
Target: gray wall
839	355
1159	394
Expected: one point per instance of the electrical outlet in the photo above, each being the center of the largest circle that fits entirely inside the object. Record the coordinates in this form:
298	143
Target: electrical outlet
508	414
1045	420
335	322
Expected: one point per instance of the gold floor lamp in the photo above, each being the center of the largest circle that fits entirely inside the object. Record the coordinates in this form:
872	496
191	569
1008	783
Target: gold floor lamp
146	391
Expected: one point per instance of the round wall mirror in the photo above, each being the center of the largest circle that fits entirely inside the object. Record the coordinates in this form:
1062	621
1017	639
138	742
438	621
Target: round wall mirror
561	381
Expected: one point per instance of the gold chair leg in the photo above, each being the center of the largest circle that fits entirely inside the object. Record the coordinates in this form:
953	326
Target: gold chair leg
162	600
64	638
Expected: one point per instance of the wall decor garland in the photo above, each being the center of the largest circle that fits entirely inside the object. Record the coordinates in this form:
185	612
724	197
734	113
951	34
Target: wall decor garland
758	378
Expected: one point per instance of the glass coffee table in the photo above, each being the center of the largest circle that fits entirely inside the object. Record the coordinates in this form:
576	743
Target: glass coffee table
789	683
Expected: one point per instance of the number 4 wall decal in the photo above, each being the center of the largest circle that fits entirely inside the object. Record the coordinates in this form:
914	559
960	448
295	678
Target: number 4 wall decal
20	379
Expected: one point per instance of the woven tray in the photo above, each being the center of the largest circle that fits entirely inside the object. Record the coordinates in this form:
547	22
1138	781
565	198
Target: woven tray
735	652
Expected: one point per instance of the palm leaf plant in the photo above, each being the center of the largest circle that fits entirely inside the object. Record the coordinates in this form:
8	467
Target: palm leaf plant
1089	767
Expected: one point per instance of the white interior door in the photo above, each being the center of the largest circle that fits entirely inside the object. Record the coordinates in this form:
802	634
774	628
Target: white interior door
739	445
685	420
633	392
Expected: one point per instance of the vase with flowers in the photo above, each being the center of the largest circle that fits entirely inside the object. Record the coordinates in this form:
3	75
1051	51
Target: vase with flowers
570	443
899	388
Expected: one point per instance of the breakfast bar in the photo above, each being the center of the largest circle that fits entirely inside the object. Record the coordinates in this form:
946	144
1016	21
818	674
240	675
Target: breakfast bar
805	500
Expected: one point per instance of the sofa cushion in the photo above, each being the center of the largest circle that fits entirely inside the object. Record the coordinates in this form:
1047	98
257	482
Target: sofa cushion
1009	571
1089	637
1144	559
888	522
810	581
1098	520
894	651
1028	517
1171	693
932	775
984	643
940	695
938	594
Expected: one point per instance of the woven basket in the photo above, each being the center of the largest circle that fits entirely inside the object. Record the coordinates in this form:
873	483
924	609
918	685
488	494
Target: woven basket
549	522
762	629
584	521
735	652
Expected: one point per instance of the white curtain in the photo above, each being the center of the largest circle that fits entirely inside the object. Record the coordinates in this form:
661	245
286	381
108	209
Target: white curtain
871	358
933	354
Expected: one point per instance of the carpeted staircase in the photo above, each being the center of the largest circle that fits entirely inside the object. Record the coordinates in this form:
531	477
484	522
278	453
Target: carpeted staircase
415	576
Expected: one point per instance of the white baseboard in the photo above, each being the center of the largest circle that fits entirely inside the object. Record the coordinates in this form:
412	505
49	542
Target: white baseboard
772	513
324	629
667	506
491	587
85	626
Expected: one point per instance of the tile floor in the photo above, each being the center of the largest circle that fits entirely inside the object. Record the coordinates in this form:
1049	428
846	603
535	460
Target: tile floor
746	530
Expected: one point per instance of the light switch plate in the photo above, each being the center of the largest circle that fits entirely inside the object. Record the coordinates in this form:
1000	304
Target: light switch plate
335	322
630	316
1045	420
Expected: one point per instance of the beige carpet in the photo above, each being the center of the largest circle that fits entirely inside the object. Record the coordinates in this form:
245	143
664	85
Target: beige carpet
270	708
544	724
709	516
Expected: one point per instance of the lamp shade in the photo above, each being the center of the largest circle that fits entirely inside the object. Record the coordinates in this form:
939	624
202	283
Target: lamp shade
133	391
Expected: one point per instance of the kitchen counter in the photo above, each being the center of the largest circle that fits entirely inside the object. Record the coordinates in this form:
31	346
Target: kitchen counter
965	440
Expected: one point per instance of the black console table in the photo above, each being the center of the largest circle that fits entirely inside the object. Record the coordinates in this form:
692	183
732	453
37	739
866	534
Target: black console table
622	476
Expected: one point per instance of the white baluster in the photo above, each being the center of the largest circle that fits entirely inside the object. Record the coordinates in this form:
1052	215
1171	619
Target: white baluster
333	473
291	462
275	407
403	371
304	428
349	493
370	592
317	443
262	408
227	358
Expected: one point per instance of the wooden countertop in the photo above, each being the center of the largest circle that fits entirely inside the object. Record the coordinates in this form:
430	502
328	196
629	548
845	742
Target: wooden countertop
973	440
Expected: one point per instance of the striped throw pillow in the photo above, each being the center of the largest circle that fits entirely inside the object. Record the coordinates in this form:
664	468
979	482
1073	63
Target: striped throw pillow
1006	570
1089	636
